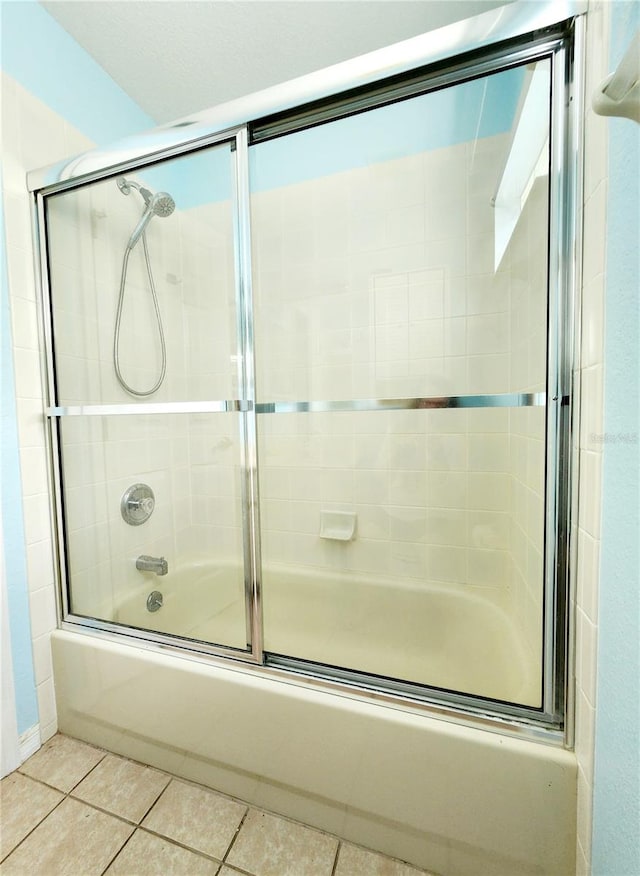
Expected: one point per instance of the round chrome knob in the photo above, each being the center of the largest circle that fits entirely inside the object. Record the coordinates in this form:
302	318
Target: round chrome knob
137	504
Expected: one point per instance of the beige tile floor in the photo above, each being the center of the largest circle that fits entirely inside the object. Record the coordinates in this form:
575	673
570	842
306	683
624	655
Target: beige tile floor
78	810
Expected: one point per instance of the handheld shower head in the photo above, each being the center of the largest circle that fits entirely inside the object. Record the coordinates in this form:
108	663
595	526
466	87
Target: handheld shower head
161	204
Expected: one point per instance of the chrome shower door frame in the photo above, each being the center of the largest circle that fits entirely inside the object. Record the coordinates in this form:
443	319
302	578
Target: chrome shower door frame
564	50
244	407
512	34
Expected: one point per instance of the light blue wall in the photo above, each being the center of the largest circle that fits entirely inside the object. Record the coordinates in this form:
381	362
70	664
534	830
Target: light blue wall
50	64
616	817
47	62
480	108
12	527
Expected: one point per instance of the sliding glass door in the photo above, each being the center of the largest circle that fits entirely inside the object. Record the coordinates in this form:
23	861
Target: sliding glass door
400	295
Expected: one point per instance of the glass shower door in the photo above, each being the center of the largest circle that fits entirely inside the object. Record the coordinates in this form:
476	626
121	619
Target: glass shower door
147	398
400	289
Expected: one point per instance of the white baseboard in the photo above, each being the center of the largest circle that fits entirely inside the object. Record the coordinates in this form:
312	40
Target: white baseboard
29	742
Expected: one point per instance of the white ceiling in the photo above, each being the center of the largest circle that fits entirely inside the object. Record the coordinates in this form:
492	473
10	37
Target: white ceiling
176	57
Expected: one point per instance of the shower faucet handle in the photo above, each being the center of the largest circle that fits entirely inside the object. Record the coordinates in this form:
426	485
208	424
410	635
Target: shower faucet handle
146	504
137	504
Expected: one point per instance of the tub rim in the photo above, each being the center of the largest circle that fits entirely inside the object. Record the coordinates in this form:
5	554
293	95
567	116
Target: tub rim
470	715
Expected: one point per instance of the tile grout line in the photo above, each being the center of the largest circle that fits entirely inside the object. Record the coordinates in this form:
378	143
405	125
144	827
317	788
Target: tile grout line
191	782
236	834
133	824
74	786
236	869
122	847
35	827
156	799
175	842
335	860
94	767
137	825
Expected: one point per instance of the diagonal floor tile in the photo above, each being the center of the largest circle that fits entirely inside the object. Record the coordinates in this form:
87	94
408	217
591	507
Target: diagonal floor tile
74	839
355	861
120	786
23	803
148	855
196	817
62	762
271	846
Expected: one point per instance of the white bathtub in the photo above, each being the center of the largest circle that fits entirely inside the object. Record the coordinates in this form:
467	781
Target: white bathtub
447	637
454	799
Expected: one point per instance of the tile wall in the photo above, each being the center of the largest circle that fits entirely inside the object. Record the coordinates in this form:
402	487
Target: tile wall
589	379
33	136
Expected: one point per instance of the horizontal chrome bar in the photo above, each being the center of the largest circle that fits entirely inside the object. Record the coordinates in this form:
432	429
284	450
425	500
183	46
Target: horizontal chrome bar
492	26
501	400
188	407
504	400
482	708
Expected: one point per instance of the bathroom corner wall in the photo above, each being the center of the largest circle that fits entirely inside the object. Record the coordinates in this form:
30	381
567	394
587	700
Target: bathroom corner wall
33	135
589	380
45	118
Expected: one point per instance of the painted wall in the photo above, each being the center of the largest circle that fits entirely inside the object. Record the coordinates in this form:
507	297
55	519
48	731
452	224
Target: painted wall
12	531
616	816
56	102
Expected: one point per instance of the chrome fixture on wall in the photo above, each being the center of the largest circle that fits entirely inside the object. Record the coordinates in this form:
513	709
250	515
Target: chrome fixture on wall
152	564
137	504
154	601
161	204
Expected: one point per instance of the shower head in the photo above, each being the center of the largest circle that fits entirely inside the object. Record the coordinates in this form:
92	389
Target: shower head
161	204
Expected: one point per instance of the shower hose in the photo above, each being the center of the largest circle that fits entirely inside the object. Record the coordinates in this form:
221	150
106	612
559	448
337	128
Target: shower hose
116	335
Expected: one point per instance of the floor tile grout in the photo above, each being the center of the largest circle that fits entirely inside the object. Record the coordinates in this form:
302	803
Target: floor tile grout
87	774
36	826
122	847
157	799
237	833
170	778
175	842
335	860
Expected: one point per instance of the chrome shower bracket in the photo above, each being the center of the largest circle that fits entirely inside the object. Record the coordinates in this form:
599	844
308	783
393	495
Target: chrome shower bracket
137	504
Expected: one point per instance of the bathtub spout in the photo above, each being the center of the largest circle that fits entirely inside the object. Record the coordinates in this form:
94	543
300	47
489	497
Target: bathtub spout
152	564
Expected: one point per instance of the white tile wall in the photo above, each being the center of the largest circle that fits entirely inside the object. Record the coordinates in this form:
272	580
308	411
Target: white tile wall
32	136
590	380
